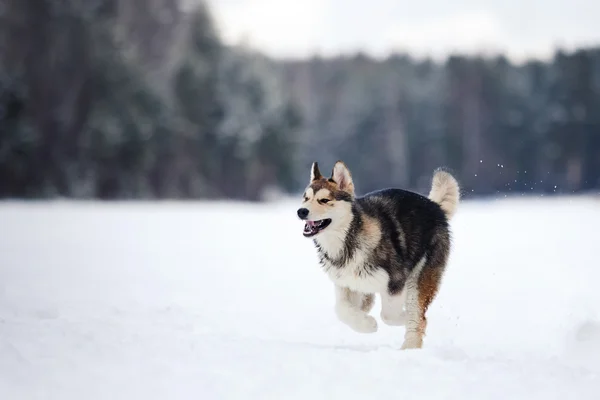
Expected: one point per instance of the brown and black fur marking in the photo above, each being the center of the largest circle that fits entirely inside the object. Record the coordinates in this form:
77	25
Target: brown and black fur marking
319	182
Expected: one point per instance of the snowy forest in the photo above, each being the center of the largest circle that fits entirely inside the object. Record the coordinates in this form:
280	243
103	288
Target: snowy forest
137	99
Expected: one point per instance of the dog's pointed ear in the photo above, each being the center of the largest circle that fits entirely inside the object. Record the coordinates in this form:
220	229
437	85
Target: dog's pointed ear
314	172
341	175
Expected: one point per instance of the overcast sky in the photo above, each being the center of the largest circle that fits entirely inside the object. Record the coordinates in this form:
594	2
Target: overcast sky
521	28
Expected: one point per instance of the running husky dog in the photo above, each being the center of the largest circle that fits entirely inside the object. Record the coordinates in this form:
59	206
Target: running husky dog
392	242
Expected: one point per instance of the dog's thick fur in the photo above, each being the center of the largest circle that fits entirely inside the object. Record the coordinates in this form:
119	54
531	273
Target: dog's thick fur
392	242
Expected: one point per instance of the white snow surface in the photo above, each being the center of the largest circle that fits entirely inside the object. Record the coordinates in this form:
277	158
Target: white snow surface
226	301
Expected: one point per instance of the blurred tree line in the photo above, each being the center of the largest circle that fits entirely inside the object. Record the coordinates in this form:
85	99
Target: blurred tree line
136	99
502	128
140	99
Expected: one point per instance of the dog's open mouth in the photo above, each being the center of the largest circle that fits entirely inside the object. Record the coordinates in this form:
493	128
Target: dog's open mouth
311	228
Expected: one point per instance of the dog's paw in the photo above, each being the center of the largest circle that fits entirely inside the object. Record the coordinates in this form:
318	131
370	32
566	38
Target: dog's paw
366	324
358	321
394	320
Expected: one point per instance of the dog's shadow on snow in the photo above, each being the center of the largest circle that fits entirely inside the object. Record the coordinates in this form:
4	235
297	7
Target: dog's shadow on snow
362	348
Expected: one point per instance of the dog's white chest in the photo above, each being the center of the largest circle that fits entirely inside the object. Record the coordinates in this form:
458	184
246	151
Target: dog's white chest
355	276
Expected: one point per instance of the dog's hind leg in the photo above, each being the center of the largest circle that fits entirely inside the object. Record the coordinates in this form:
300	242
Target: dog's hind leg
421	288
352	309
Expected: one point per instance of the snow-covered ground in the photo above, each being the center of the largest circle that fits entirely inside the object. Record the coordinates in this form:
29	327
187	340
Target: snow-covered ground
226	301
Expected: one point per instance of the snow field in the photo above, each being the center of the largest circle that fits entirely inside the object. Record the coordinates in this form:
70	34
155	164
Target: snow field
226	301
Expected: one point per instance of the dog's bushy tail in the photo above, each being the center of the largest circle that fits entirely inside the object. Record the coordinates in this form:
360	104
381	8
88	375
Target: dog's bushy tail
445	191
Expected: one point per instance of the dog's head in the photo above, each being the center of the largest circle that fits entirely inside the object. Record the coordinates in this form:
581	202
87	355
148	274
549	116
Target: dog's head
327	202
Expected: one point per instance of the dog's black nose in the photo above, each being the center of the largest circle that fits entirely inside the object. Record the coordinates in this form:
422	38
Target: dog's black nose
303	213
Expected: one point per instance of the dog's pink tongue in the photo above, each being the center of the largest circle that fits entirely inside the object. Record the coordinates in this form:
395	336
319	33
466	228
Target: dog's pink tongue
311	223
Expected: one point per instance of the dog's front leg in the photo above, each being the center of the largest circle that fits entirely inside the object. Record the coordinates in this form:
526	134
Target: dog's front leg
392	312
352	309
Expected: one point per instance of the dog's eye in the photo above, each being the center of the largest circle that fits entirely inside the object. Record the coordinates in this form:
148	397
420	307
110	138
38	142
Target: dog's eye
324	201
